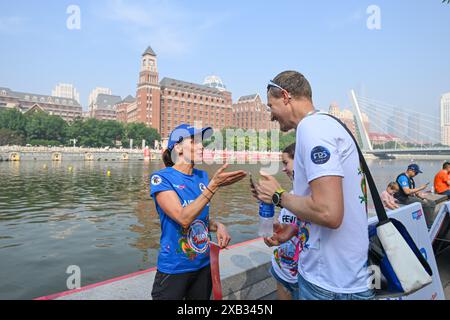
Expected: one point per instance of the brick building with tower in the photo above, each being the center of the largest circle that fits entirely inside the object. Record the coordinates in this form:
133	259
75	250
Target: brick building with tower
165	104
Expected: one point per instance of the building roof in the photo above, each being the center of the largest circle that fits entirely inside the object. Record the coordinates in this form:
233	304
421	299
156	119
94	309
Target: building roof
106	101
129	99
189	87
214	82
251	97
38	98
149	51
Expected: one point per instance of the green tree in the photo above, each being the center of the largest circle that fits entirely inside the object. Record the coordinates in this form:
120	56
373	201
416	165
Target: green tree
14	120
42	126
108	132
287	139
10	137
139	132
75	130
86	133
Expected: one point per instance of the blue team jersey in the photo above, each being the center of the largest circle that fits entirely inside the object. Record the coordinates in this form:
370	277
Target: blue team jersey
403	181
182	250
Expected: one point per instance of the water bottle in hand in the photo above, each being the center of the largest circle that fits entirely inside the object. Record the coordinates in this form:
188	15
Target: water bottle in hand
266	214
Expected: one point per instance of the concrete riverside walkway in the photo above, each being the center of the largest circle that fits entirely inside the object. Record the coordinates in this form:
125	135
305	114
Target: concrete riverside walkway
244	274
243	269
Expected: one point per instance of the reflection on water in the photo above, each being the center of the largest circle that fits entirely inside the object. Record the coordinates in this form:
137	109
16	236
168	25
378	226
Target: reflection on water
53	215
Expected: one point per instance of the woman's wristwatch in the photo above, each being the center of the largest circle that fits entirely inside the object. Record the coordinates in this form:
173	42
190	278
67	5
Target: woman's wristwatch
276	198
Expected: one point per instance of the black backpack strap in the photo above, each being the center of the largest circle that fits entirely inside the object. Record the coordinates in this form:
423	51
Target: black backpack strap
379	207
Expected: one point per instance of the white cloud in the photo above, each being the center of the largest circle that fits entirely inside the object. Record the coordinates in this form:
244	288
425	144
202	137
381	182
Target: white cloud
168	27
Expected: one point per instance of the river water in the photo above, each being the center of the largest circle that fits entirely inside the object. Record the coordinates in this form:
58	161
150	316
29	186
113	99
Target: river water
56	215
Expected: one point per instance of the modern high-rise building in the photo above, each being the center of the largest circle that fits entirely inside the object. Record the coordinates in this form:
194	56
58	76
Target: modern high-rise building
65	90
445	119
94	93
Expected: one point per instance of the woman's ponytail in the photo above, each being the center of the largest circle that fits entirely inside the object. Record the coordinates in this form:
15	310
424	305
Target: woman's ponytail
167	158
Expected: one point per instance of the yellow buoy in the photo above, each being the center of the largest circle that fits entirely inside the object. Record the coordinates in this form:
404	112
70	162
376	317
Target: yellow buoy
14	156
57	156
108	173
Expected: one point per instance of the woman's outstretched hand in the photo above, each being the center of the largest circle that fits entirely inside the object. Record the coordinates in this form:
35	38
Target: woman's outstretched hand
222	178
223	237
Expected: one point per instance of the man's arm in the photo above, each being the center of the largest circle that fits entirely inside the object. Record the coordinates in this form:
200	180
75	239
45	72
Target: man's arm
409	191
325	205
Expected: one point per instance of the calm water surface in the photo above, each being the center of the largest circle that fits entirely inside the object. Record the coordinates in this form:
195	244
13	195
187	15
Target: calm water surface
54	215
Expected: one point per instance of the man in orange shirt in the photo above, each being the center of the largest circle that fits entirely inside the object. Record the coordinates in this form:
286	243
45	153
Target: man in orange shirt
442	180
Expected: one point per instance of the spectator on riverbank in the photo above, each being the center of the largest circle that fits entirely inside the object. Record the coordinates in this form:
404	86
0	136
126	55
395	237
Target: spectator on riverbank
442	180
408	193
333	262
182	195
387	196
285	256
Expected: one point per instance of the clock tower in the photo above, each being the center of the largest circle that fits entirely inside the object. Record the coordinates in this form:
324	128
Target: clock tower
148	96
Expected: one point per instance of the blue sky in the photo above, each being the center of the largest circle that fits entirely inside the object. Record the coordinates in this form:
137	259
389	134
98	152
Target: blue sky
246	43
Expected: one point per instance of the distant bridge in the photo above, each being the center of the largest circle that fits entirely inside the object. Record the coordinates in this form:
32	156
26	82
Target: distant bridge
405	126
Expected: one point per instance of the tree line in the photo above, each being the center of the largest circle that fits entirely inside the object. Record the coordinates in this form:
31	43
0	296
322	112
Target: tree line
250	140
42	129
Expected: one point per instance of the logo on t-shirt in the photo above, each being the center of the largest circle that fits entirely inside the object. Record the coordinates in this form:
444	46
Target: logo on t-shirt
202	187
156	180
320	155
198	236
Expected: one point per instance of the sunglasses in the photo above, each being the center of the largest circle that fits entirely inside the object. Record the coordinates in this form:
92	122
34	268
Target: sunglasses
272	84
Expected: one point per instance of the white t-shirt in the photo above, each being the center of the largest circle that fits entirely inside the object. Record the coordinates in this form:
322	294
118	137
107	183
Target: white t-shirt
335	260
285	256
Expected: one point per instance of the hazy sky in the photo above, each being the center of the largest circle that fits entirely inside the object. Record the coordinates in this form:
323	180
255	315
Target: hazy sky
246	43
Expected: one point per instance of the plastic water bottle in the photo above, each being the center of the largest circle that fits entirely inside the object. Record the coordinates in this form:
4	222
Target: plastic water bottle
266	214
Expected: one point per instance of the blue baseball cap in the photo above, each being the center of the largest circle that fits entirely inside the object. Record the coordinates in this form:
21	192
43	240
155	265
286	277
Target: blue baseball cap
185	131
415	168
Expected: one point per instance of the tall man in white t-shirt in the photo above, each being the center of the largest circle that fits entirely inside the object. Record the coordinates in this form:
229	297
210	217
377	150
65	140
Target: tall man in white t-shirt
329	194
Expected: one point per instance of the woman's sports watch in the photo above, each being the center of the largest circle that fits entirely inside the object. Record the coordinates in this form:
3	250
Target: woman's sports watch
276	198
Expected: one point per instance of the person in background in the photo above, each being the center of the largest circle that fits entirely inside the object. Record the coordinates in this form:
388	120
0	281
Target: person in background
182	195
408	193
442	180
285	256
387	196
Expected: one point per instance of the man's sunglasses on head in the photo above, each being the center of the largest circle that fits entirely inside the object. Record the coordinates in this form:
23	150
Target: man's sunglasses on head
272	84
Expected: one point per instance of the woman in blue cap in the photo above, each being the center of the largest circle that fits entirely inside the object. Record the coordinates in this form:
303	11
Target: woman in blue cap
182	195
